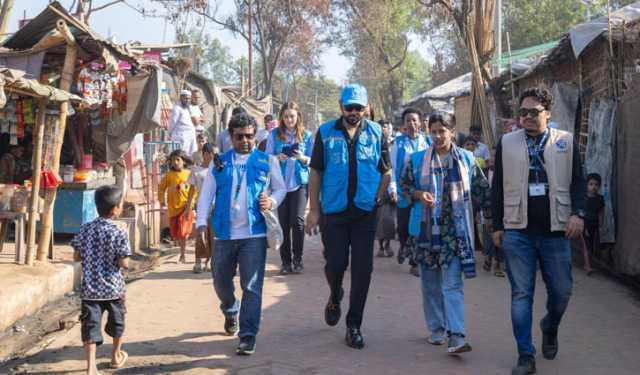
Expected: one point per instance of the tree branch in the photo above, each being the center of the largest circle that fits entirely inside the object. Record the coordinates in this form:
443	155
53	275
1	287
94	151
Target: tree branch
114	2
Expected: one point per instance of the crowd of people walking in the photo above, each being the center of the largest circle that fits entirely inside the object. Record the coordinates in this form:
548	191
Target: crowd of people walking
363	181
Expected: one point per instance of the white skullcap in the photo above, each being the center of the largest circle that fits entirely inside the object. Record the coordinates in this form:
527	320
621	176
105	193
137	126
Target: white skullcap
185	93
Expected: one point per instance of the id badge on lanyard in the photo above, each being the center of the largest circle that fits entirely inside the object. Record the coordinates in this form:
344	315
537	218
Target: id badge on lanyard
538	189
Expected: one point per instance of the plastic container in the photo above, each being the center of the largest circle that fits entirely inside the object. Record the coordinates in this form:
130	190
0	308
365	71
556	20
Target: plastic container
87	161
68	173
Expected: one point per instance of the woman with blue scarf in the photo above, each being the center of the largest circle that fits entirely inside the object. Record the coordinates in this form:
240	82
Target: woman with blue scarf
444	183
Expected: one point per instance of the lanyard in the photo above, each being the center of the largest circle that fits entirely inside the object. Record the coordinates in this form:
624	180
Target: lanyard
534	154
239	172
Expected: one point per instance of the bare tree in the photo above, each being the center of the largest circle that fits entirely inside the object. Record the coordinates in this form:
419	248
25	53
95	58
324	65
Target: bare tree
474	20
86	7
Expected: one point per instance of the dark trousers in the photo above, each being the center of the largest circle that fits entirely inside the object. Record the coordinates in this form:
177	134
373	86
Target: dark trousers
403	215
291	216
343	233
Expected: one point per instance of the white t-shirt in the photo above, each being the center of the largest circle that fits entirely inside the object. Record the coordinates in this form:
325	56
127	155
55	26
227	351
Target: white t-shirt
482	151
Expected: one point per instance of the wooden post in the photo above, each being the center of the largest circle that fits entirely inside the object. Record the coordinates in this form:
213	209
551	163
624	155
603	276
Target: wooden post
65	84
35	188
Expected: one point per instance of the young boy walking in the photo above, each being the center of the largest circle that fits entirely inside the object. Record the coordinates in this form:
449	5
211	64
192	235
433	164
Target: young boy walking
103	249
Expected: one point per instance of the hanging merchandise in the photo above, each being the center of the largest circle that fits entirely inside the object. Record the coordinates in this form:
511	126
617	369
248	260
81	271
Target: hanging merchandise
28	111
20	125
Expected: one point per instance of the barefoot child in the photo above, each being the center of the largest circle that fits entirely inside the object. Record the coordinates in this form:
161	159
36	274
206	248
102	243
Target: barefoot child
176	186
103	249
198	174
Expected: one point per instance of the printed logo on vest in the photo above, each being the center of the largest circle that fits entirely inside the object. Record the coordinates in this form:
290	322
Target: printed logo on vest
562	145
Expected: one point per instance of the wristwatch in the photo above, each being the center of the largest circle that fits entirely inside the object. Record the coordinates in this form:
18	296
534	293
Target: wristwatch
579	213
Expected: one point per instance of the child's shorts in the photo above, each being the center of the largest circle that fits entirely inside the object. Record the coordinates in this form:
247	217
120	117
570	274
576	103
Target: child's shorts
180	228
91	319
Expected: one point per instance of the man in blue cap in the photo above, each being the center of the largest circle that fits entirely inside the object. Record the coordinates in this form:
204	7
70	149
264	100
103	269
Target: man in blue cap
350	170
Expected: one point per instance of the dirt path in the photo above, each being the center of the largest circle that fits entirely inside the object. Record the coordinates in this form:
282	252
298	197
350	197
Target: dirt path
175	327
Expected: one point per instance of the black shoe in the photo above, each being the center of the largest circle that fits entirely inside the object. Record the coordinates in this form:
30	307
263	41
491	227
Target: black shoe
230	325
247	345
298	267
401	256
414	271
354	338
549	344
285	270
526	365
332	311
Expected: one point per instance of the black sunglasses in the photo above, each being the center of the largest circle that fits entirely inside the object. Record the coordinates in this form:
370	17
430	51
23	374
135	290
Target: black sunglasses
532	112
240	137
353	107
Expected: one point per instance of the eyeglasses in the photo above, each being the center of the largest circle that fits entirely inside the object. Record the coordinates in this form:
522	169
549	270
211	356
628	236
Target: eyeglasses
353	107
240	137
532	112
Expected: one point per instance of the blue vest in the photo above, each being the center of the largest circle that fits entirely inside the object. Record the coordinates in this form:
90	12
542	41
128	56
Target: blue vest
335	178
257	175
416	209
301	171
405	145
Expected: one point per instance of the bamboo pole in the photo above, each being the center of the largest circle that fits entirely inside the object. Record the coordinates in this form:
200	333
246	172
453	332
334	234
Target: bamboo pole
50	195
35	187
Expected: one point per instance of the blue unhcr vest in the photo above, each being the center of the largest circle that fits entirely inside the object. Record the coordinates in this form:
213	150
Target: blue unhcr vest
335	178
417	209
404	146
301	171
257	175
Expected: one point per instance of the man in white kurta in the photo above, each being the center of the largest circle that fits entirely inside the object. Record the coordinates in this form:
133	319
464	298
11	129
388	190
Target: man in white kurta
181	128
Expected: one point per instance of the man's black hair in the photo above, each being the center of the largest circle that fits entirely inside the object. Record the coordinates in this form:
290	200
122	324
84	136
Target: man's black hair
242	120
267	118
238	110
594	176
107	197
475	128
469	139
384	122
409	111
543	96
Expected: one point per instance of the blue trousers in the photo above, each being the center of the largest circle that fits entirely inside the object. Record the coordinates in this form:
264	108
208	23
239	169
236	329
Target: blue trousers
523	253
443	297
250	255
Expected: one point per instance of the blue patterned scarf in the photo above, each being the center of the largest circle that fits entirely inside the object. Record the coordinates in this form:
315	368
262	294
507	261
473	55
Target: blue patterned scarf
456	174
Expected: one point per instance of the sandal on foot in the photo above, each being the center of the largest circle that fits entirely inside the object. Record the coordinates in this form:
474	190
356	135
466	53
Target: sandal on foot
487	265
120	363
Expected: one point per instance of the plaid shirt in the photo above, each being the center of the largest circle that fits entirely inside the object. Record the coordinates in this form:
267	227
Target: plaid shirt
101	244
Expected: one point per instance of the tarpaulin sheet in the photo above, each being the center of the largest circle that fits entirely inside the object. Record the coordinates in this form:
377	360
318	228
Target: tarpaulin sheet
565	105
142	115
599	157
627	250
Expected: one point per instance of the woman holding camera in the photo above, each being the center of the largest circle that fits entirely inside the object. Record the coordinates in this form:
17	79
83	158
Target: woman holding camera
292	144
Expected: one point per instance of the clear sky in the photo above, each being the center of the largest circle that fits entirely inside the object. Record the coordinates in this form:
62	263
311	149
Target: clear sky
127	24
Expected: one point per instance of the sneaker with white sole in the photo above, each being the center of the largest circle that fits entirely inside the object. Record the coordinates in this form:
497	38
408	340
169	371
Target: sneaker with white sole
457	344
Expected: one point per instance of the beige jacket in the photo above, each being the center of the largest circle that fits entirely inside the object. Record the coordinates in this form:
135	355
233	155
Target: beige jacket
558	157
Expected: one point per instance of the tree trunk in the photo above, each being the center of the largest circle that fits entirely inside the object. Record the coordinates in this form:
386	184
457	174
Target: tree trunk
5	14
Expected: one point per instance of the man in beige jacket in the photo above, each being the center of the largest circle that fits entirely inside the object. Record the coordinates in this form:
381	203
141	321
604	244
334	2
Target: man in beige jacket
538	201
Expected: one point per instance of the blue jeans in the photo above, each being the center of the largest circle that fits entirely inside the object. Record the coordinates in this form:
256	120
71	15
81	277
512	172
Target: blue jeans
523	253
443	297
250	254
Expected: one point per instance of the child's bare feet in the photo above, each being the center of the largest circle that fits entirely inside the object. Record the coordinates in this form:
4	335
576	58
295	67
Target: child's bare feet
119	359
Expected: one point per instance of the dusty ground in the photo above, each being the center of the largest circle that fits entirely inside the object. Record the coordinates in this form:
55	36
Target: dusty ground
174	326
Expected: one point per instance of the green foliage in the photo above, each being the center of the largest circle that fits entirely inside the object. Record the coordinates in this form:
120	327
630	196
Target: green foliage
212	59
532	22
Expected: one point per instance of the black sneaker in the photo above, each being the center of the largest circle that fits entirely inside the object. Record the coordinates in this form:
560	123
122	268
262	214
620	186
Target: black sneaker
354	338
526	366
401	256
285	270
230	325
298	267
549	344
332	311
247	345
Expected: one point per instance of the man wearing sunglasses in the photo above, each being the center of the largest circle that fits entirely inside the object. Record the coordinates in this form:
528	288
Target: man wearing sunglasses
241	184
538	201
350	171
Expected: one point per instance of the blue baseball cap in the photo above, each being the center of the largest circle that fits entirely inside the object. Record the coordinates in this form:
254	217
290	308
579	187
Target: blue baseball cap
354	94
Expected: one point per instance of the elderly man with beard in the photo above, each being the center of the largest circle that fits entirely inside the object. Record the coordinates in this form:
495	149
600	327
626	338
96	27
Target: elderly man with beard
350	171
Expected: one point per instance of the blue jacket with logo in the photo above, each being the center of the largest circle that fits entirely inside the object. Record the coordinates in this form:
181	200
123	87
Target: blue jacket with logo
405	145
335	178
302	171
257	176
